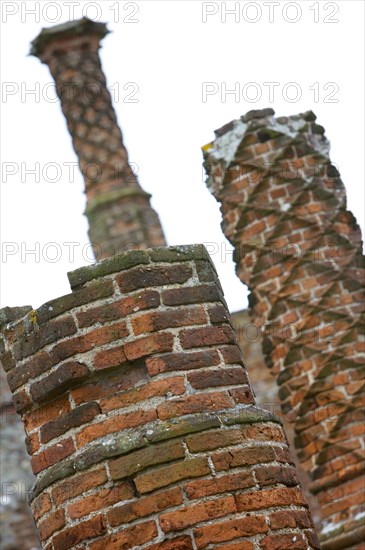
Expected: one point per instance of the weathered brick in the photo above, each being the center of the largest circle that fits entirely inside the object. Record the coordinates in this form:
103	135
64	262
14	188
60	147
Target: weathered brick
159	320
191	295
145	506
71	537
194	403
77	417
21	401
232	354
193	514
213	440
143	277
47	412
114	424
52	523
283	519
41	505
131	537
52	455
125	466
102	499
37	365
109	358
163	476
260	500
270	475
246	456
223	484
222	377
293	541
63	378
230	530
182	361
156	343
32	443
76	485
157	388
209	336
178	543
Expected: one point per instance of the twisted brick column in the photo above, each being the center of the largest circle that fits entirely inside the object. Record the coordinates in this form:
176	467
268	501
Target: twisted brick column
119	211
299	251
140	419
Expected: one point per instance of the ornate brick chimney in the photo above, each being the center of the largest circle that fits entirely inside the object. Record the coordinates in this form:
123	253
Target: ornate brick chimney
140	418
299	251
119	211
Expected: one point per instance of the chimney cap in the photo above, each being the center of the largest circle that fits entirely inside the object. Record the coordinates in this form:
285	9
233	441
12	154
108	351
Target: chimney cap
70	28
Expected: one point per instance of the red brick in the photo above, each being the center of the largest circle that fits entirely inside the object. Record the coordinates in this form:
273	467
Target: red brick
52	523
223	484
143	277
32	443
32	368
242	545
157	388
260	500
270	475
284	519
131	537
114	424
193	404
69	538
161	477
209	336
229	530
246	456
56	383
145	506
102	499
213	439
53	454
159	320
156	343
193	514
179	543
182	361
109	358
191	295
46	413
222	377
127	465
77	417
41	505
294	541
76	485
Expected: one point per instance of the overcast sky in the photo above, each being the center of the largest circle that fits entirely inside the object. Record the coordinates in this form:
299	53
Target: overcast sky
159	60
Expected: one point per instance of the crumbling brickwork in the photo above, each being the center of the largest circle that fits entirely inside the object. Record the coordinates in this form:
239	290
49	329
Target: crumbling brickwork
299	251
118	209
140	419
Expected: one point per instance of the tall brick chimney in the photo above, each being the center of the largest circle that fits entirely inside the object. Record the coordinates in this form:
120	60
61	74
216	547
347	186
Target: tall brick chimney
140	419
118	209
299	251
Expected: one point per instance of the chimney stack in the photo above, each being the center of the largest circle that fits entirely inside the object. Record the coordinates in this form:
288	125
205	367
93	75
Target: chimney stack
118	209
299	251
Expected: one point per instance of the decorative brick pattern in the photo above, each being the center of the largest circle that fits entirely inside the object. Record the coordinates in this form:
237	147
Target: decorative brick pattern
145	442
119	211
299	251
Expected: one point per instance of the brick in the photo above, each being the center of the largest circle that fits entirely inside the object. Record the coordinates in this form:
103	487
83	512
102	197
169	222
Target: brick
178	543
191	295
193	514
114	424
293	541
193	404
21	401
209	336
213	440
264	499
182	361
109	358
79	484
69	538
60	380
221	377
242	545
218	314
156	343
145	506
37	365
232	354
246	456
158	388
107	313
41	505
32	443
47	412
125	466
52	331
102	499
163	476
131	537
229	530
77	417
159	320
224	484
242	395
97	337
52	523
53	454
284	519
270	475
143	277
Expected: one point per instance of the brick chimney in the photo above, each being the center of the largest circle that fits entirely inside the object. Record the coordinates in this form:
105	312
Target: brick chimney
140	419
299	251
118	209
